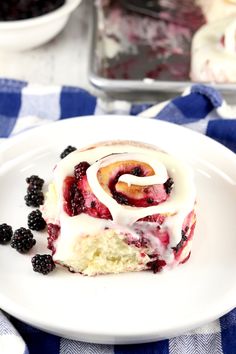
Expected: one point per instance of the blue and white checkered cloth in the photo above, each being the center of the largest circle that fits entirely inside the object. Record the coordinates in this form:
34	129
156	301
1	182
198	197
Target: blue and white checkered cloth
24	106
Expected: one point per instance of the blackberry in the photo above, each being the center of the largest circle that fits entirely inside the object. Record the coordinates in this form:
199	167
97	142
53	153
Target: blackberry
67	151
150	201
5	233
43	263
183	239
168	185
183	234
120	198
36	221
80	170
76	200
156	266
93	204
34	182
18	10
23	240
34	198
137	171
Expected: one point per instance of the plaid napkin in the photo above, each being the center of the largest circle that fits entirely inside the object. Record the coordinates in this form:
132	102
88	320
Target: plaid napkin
24	106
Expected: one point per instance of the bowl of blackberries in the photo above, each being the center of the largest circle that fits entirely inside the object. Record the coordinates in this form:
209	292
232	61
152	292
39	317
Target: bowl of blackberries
26	24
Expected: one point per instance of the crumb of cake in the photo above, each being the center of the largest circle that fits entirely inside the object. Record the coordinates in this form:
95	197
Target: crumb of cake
104	253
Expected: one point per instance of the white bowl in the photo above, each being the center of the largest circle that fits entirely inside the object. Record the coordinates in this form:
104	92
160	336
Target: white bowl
21	35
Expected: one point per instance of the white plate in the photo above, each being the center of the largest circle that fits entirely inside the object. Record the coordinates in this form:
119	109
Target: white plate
126	308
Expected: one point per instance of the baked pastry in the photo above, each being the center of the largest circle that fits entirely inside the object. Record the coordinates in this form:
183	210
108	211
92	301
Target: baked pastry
214	10
214	52
118	207
163	39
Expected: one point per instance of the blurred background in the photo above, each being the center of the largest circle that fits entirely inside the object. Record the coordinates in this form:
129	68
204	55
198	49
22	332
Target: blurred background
140	49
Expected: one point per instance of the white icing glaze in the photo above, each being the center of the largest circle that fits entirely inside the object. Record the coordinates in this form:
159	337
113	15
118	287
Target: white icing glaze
160	174
183	193
211	60
217	9
230	37
179	204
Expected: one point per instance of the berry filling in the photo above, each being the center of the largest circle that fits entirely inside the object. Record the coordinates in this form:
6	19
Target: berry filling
158	218
133	195
222	40
80	170
73	198
187	234
92	206
79	198
156	265
146	196
53	233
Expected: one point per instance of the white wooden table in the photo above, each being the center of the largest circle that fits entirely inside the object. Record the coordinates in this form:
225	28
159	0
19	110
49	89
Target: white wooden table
61	61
